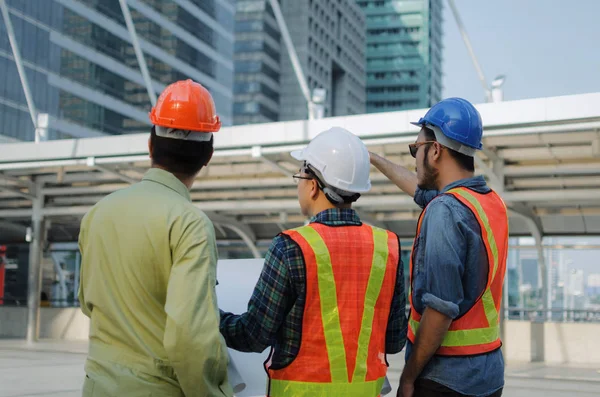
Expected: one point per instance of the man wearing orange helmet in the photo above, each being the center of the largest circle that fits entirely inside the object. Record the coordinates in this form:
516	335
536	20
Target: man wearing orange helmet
148	270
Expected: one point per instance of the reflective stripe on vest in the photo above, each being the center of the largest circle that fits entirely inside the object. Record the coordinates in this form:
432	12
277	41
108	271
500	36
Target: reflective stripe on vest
487	336
313	389
340	384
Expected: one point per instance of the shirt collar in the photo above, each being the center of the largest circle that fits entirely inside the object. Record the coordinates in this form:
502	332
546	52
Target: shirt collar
169	180
476	183
337	216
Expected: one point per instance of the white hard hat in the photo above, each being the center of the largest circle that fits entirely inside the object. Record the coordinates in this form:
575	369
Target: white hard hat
341	158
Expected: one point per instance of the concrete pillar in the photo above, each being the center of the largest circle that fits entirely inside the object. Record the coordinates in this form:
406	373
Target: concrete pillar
34	283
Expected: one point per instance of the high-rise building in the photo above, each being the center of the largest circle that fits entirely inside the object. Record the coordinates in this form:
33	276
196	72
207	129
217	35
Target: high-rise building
529	271
329	38
257	63
404	53
593	284
83	71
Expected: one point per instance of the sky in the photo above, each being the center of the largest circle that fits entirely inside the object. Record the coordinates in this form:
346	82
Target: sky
544	47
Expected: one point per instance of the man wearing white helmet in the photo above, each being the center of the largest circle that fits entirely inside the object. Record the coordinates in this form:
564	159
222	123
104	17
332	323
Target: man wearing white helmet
330	299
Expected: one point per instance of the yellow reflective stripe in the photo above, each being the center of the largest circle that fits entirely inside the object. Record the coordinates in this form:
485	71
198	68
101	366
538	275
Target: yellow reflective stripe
467	337
491	313
412	323
378	266
486	224
489	307
329	308
281	388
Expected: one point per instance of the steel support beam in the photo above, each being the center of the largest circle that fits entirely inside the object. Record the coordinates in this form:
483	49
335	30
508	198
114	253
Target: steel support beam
559	169
369	202
244	231
91	162
116	173
34	283
17	191
220	229
491	154
537	233
245	237
496	181
287	39
62	285
26	183
13	227
138	51
257	153
521	210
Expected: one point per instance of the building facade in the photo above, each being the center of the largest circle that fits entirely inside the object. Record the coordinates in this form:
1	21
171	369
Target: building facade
404	53
329	38
257	63
82	69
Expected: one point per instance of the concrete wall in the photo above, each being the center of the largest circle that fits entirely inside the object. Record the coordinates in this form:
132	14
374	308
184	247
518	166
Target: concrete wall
13	322
524	341
517	340
55	323
64	323
575	343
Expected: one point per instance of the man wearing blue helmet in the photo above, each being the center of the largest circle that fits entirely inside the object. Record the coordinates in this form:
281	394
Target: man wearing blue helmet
458	261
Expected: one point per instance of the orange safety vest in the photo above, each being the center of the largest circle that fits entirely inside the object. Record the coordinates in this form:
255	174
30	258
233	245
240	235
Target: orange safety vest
350	281
478	330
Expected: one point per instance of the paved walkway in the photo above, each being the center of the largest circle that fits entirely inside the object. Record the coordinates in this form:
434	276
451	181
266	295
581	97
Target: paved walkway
55	369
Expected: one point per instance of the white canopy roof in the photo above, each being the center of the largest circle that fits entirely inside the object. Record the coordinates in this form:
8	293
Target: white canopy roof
542	155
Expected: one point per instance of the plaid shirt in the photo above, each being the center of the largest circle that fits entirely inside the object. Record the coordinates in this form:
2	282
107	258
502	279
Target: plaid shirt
275	310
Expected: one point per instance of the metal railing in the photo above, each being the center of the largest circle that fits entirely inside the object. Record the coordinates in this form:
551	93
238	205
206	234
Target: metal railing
512	313
21	301
556	315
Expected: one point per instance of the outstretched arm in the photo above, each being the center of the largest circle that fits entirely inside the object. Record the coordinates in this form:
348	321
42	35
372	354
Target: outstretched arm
399	175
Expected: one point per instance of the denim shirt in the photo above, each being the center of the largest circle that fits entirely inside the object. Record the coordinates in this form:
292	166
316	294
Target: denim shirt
450	272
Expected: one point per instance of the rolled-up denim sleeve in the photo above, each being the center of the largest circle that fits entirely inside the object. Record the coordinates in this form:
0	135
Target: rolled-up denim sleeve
423	197
444	260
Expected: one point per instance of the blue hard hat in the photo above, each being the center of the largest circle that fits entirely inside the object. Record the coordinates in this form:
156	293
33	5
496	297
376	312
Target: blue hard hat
458	120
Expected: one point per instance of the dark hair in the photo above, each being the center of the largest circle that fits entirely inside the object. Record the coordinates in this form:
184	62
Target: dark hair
337	197
179	156
466	162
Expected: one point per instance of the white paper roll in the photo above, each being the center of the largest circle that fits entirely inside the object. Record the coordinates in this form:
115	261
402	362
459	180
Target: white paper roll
235	379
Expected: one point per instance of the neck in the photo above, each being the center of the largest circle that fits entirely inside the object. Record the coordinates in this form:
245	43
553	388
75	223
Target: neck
187	180
324	204
452	175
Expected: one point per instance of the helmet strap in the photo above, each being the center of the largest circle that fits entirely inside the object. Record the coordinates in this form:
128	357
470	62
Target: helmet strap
330	193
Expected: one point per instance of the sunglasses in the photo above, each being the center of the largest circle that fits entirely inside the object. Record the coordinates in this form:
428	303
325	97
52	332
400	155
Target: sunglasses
414	147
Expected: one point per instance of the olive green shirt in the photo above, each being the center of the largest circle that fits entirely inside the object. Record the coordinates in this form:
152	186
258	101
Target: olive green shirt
148	277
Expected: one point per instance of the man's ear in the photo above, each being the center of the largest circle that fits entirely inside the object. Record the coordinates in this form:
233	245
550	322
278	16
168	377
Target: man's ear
150	147
314	189
436	153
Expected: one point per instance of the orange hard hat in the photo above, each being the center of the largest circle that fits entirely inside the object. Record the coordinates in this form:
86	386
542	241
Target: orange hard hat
186	105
